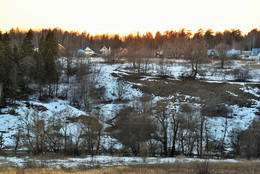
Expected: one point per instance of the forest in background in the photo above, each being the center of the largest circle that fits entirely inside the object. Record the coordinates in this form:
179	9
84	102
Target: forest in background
171	42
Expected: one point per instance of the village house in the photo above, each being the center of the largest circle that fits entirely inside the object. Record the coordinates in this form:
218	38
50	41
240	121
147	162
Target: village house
105	51
121	52
246	54
159	54
255	54
212	53
233	53
81	53
61	50
89	52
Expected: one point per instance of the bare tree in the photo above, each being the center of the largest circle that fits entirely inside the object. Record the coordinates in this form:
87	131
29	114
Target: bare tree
222	50
90	133
121	88
34	137
162	117
196	53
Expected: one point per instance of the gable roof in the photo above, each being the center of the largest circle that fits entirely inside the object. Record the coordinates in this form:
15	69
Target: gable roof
247	53
255	51
60	46
214	50
105	48
89	50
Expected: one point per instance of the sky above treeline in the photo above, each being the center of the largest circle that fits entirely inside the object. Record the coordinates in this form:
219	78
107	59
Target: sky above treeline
129	16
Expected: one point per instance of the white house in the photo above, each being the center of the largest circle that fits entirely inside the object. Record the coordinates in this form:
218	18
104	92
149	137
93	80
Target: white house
233	52
105	51
255	54
89	51
246	54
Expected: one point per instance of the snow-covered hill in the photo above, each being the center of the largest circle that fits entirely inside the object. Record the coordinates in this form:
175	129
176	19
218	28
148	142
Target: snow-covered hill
11	116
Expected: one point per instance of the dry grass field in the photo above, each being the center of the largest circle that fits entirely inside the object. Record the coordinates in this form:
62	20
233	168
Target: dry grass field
176	168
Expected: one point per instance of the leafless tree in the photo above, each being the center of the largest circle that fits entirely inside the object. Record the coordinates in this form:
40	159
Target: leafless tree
34	135
222	50
121	88
196	53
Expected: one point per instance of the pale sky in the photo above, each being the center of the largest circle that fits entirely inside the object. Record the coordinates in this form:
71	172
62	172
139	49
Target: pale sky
125	16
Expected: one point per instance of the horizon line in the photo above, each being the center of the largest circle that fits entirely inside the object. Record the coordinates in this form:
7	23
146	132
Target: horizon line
122	34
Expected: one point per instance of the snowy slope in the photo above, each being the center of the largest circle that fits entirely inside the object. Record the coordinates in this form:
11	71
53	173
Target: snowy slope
244	116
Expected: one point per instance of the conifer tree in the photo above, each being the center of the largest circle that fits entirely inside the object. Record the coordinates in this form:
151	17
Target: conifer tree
39	72
51	73
46	72
6	62
51	43
2	74
27	47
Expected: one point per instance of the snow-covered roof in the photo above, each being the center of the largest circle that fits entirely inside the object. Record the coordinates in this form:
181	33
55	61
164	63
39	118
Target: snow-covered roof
214	50
233	52
246	53
255	51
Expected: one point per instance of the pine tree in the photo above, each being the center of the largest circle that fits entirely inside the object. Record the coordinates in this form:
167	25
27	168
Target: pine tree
51	73
39	72
2	74
46	72
51	43
6	64
27	47
42	46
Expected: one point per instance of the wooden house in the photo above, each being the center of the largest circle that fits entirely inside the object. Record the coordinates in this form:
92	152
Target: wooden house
89	52
105	51
212	53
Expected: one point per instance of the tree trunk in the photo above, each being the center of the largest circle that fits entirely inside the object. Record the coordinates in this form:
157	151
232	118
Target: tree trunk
175	129
173	146
1	89
195	70
201	135
222	62
49	89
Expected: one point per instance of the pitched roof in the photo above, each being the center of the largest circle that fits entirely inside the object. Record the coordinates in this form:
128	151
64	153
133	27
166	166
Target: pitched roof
255	51
233	52
60	46
88	49
105	48
81	51
214	50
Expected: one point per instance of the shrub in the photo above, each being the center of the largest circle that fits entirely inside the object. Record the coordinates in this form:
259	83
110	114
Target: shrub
241	75
12	112
202	167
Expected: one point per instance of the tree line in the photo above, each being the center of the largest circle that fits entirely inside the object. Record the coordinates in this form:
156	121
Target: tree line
145	45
